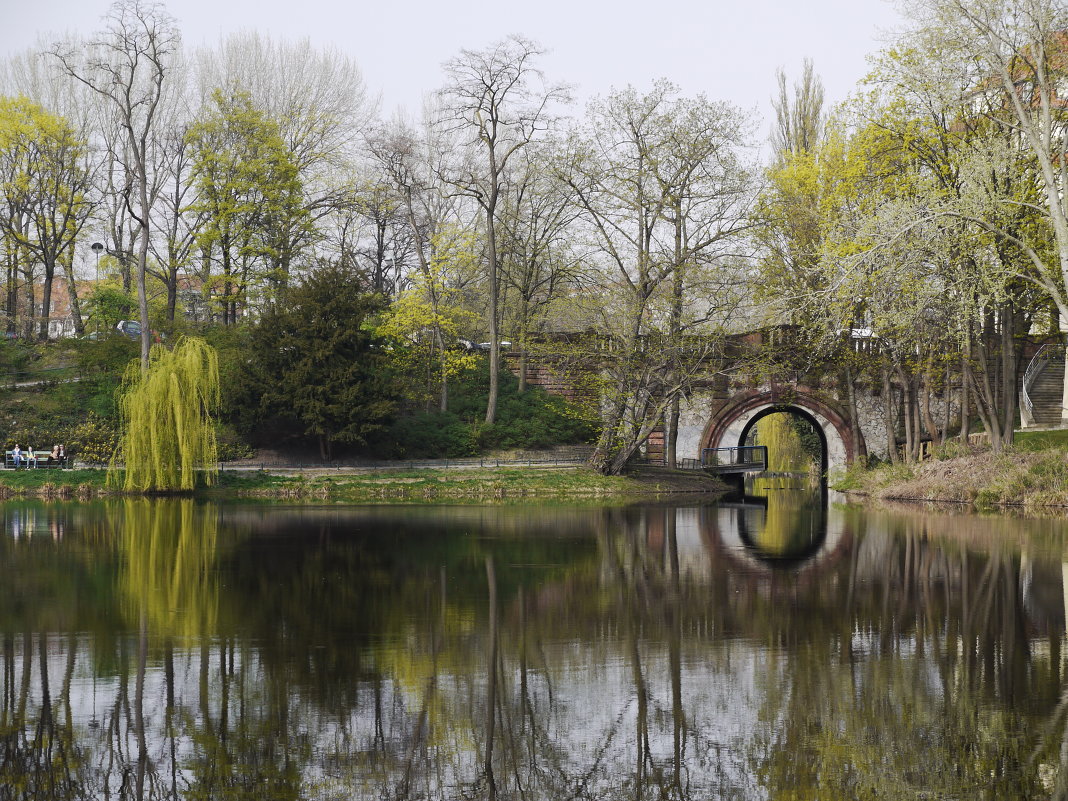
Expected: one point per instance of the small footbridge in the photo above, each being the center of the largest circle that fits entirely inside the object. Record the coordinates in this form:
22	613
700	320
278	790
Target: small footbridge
729	461
735	461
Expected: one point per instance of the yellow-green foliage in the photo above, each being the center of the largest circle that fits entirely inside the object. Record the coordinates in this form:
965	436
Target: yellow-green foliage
168	434
786	453
92	441
170	574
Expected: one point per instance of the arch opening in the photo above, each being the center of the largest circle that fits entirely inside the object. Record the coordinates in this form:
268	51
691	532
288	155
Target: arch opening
795	440
732	422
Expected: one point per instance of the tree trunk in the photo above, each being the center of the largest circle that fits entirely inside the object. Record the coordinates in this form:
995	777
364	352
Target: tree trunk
965	380
491	676
523	366
925	409
31	304
172	294
495	345
906	413
860	450
46	299
671	436
1009	368
72	291
142	293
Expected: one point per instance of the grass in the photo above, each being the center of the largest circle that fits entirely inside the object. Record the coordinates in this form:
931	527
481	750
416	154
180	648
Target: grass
394	486
447	485
1041	440
1033	474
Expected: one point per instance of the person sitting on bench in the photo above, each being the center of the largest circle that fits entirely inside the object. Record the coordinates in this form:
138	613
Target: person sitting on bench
30	456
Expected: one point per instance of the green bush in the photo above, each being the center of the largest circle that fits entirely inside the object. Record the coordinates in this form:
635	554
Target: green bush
15	355
529	420
428	436
101	364
231	446
93	441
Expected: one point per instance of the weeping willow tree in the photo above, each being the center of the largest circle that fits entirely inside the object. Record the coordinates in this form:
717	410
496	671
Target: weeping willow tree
166	411
786	449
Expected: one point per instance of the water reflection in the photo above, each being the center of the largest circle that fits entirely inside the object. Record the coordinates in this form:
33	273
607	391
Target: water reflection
769	647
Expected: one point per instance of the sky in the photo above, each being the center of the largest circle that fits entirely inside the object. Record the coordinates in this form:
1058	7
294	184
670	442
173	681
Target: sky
727	49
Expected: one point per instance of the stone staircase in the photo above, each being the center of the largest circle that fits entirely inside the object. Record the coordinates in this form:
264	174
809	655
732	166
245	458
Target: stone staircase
1044	387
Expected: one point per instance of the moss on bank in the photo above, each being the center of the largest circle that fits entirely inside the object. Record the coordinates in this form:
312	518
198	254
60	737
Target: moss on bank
429	485
1027	475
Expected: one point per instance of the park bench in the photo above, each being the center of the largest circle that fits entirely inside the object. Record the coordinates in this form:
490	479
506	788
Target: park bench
41	463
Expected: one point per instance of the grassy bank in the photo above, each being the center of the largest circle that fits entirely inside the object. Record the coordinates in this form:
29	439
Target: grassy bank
471	486
457	486
83	483
1033	473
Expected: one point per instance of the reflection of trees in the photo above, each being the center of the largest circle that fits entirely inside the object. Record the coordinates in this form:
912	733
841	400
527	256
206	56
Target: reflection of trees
616	655
929	688
170	575
39	754
791	526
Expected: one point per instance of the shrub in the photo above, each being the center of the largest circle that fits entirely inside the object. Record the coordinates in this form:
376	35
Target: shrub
532	419
94	440
428	435
229	444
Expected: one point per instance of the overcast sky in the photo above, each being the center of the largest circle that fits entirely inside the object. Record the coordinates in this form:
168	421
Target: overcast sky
728	49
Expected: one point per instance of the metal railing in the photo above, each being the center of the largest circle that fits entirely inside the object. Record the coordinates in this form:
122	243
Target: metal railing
1043	356
745	457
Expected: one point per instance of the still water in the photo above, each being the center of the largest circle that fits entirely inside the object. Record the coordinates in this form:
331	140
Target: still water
776	645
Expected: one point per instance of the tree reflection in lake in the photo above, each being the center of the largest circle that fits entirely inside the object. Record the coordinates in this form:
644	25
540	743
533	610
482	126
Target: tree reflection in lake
762	648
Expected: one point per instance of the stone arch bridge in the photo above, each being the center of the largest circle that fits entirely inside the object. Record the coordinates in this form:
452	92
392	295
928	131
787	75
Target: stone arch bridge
721	412
714	420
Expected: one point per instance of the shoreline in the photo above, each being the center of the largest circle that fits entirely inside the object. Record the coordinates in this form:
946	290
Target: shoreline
426	485
1016	479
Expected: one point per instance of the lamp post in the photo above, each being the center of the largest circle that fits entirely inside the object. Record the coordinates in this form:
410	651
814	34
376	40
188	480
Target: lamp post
97	247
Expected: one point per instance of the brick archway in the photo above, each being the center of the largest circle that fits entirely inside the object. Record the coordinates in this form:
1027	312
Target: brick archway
731	422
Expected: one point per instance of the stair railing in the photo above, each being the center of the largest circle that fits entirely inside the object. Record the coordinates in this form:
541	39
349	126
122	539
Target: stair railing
1043	356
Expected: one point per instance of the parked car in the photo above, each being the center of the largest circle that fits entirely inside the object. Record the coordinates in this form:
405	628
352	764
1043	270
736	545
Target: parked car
132	329
129	328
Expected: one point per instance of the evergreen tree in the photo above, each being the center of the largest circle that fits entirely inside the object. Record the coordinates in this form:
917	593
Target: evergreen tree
317	368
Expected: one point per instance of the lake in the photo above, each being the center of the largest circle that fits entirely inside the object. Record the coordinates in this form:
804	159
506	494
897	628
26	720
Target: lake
779	644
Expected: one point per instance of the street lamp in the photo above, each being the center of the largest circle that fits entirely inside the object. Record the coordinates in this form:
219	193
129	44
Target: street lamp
97	248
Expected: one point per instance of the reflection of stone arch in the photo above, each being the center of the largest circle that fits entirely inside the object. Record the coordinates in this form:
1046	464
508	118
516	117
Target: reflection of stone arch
731	422
723	533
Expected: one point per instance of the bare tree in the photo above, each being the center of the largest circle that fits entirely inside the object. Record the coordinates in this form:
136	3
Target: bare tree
128	66
406	161
798	120
497	101
538	261
664	190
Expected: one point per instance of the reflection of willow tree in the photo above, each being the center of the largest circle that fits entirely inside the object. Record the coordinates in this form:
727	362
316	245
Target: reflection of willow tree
170	584
790	523
170	573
